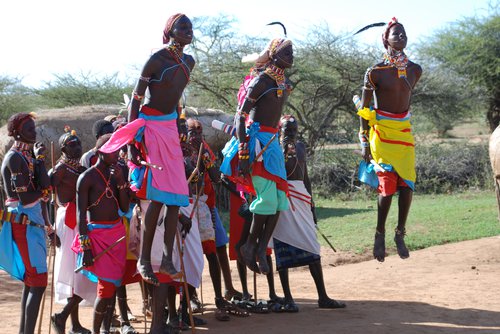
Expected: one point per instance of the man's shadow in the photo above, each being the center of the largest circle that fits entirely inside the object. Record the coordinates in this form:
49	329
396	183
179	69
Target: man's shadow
324	213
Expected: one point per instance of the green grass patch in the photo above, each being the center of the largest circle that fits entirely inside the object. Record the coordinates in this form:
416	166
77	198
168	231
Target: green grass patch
433	220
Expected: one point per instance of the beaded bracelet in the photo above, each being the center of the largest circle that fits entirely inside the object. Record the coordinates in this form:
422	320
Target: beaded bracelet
363	138
85	242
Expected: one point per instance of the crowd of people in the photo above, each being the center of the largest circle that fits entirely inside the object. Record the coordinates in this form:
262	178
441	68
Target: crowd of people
140	207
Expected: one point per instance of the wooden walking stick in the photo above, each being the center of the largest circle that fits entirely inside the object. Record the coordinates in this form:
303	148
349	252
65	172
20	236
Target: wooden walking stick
54	197
184	281
43	297
144	305
181	252
196	170
52	260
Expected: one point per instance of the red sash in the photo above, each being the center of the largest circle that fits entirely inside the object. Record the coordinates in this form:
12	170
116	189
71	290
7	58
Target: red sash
70	218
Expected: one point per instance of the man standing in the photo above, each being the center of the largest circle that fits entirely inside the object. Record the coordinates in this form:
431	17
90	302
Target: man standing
295	241
256	122
385	133
23	253
101	192
70	288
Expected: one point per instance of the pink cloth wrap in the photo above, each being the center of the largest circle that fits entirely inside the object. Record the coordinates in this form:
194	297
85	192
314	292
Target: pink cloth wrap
161	140
109	267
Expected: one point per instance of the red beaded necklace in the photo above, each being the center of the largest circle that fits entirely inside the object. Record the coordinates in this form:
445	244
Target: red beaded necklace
174	51
278	75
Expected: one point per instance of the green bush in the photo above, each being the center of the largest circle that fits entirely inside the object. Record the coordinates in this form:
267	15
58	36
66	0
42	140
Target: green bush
446	168
440	169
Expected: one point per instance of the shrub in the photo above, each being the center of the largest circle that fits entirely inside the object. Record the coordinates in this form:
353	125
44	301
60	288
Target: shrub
440	169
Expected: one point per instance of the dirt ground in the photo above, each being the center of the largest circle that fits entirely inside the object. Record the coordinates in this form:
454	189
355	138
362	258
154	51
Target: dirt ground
453	288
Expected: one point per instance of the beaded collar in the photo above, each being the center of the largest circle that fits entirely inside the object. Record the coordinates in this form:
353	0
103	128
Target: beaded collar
24	149
73	165
398	60
278	75
174	48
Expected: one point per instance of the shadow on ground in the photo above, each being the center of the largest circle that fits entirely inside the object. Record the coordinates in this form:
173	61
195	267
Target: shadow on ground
324	213
363	316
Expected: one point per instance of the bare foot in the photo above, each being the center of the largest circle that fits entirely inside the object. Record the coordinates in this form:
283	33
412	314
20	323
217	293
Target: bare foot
146	271
263	265
167	267
248	256
379	246
399	238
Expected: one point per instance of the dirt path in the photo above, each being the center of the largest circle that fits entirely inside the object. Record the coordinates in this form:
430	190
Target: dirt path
453	288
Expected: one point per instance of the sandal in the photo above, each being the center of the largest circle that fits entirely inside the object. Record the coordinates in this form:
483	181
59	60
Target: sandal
197	321
276	307
330	303
259	307
127	329
196	305
230	308
379	246
233	295
56	325
291	307
221	315
399	239
80	331
176	325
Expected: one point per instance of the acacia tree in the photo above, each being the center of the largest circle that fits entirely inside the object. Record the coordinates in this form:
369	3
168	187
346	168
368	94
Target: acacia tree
470	47
444	98
328	71
219	71
15	97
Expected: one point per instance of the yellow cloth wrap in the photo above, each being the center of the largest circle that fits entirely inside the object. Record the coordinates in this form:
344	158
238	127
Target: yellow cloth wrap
391	142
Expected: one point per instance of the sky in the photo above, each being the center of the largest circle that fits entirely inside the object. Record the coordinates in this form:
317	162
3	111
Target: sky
41	38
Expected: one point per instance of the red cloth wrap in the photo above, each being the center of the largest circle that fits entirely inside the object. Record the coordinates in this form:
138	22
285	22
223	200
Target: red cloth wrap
31	277
70	218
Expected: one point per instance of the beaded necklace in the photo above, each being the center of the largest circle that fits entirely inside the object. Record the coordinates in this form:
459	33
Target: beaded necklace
399	60
72	165
108	191
278	75
25	150
174	50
